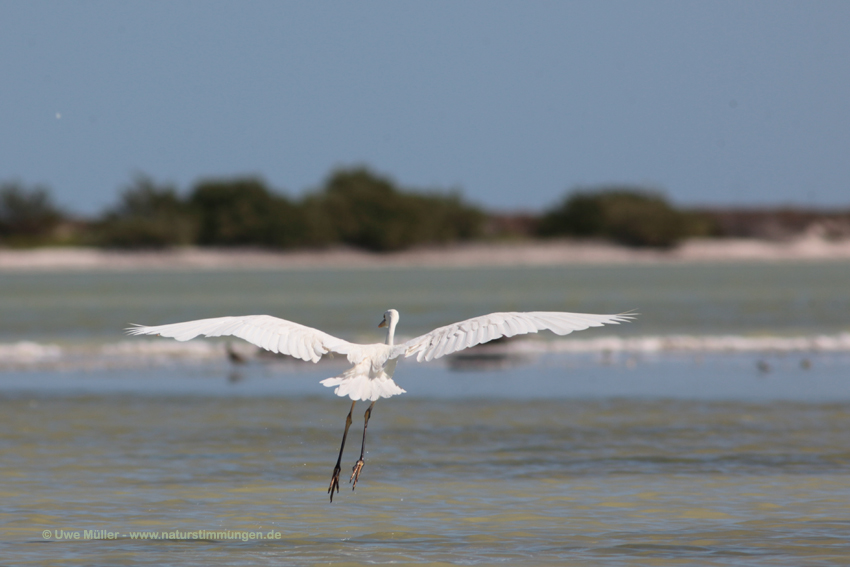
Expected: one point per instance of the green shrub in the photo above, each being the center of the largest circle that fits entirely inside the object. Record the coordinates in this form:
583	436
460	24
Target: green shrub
244	212
27	216
361	209
148	216
626	215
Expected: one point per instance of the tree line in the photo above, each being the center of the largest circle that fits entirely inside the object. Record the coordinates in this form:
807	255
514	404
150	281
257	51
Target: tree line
354	207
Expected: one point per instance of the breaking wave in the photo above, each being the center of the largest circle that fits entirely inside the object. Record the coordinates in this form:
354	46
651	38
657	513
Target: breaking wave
28	355
706	344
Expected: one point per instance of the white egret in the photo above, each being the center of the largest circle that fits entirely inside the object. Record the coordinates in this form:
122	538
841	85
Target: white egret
371	376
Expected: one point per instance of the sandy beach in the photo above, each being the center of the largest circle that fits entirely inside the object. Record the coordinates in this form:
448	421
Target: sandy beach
549	253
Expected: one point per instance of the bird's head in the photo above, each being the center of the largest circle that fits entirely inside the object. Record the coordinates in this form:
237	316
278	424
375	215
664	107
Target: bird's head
390	318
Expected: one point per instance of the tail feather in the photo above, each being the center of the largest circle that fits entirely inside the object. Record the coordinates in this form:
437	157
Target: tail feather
362	387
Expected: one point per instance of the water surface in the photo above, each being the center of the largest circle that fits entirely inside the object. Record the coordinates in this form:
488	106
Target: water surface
711	431
471	481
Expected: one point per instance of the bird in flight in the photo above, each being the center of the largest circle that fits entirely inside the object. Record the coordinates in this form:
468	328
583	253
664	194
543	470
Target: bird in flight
371	376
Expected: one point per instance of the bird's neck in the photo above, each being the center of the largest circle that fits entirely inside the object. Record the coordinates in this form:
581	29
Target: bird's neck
390	332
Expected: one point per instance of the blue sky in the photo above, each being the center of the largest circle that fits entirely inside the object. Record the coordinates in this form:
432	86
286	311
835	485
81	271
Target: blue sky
513	103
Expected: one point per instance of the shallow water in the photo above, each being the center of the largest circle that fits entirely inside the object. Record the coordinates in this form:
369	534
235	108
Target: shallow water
711	431
740	299
469	481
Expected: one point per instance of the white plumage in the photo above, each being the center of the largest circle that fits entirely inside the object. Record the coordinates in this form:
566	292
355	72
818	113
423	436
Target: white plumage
370	377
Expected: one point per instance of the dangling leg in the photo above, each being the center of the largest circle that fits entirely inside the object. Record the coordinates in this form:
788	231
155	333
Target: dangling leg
335	477
358	466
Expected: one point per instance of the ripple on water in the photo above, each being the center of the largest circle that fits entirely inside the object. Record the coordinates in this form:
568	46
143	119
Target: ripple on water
463	481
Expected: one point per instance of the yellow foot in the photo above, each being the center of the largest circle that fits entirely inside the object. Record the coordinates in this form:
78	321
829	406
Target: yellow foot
334	483
355	474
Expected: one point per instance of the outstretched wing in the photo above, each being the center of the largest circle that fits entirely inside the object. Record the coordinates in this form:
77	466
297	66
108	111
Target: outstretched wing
265	331
477	330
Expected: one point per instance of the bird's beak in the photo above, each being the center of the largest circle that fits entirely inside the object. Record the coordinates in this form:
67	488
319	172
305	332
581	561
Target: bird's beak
383	323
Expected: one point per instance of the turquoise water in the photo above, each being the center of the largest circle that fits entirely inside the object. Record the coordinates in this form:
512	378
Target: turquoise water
564	453
739	299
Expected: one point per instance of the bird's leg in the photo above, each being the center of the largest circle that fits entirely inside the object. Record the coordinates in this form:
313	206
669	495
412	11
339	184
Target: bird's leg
358	466
337	468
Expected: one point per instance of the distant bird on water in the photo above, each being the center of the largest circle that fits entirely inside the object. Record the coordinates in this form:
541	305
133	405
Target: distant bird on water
233	356
371	376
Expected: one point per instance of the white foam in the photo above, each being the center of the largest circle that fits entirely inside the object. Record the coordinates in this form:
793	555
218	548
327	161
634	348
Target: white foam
26	355
23	352
694	343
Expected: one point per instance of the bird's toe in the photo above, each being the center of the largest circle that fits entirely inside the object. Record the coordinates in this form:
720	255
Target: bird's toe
355	472
334	483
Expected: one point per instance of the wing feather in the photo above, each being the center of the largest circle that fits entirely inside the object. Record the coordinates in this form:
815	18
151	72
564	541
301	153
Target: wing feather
224	331
265	331
457	342
470	339
265	340
443	346
281	343
480	335
554	325
478	330
303	351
